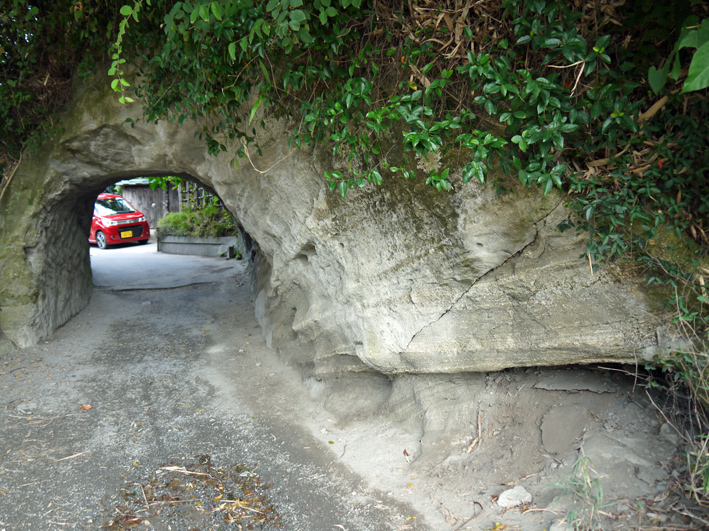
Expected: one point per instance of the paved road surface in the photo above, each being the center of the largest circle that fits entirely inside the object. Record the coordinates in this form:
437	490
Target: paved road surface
141	266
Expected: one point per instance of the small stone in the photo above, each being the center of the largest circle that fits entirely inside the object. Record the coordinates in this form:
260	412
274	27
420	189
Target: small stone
146	303
514	497
27	408
669	434
622	508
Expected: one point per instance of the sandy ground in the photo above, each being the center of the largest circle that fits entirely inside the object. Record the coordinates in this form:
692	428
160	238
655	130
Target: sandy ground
172	374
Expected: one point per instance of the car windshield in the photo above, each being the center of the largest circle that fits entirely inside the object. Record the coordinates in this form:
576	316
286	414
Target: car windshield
113	206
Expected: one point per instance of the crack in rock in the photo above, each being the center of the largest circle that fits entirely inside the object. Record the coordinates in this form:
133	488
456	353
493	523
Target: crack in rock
512	257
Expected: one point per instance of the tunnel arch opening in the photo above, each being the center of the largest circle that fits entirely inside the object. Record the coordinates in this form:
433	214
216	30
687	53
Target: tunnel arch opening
58	281
46	210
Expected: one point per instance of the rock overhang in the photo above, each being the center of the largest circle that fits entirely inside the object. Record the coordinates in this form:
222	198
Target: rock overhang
393	279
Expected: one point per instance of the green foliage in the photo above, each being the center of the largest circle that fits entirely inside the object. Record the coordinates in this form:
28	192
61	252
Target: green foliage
656	182
694	35
584	487
209	221
558	92
42	46
684	373
698	464
162	182
119	83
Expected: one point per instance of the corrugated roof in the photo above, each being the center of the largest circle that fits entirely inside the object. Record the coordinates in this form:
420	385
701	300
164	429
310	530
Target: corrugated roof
138	181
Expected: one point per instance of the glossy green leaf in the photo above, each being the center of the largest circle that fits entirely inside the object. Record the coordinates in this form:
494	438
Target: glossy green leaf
658	78
264	71
216	10
255	108
297	15
698	76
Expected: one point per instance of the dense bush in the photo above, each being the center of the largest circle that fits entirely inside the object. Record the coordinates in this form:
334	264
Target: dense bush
209	221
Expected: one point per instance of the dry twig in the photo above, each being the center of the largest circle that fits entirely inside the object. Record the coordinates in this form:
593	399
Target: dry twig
477	439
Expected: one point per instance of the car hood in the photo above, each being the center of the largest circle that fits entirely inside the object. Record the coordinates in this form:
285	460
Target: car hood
123	217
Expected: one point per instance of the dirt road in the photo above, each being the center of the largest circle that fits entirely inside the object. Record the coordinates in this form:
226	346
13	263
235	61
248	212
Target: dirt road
171	376
162	408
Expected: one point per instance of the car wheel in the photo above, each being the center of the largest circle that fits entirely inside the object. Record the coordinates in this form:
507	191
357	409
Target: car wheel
101	240
143	242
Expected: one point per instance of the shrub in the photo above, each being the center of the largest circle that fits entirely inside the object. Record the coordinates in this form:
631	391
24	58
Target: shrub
210	221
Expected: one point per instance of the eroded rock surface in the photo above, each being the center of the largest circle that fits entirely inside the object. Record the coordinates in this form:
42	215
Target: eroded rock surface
396	279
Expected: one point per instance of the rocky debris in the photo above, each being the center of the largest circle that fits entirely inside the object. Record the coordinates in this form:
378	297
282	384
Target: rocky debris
568	381
26	409
514	497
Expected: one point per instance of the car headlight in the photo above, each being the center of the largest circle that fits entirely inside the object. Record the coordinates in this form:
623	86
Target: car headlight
141	219
112	223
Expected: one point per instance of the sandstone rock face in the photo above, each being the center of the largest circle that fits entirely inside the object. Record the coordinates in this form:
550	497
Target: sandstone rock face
396	279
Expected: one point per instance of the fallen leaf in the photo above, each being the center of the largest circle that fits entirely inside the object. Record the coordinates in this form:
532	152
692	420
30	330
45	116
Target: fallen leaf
86	407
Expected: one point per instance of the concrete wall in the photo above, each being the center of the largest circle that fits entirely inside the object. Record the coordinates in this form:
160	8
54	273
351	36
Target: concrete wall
218	246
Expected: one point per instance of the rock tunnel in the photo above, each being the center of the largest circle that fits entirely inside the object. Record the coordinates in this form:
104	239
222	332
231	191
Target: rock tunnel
395	279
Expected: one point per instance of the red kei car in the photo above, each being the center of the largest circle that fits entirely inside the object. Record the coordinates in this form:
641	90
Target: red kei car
116	221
